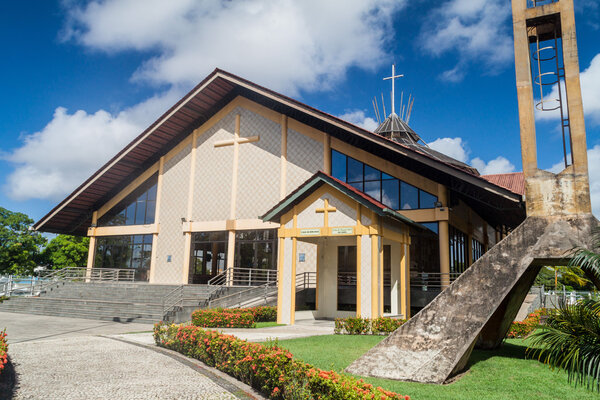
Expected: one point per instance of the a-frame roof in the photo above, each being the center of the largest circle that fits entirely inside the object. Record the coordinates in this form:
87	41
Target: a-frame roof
73	214
321	178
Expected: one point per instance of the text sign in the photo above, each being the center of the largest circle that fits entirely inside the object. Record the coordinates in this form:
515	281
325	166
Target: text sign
310	232
342	231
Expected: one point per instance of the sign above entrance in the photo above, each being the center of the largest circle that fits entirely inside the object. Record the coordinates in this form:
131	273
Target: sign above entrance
342	231
310	232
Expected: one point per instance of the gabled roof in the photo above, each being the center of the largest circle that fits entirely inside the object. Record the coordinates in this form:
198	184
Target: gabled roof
73	214
321	178
514	181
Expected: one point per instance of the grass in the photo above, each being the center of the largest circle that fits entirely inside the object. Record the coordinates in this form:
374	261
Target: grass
497	374
267	324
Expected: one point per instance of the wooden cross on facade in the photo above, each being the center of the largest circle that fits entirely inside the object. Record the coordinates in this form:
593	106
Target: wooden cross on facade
235	142
326	210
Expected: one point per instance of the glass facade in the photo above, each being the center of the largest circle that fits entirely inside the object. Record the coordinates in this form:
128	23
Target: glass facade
346	291
392	192
256	249
209	255
131	251
138	208
477	249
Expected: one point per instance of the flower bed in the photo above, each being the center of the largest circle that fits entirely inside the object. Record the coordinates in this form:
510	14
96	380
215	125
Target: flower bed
270	369
3	350
261	314
521	329
366	326
223	318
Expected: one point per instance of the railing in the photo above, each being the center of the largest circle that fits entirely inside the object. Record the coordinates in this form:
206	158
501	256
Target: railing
244	277
32	286
306	280
349	278
244	297
172	301
426	281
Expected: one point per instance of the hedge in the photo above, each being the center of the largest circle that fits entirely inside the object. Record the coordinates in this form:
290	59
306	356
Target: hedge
3	350
521	329
366	326
223	318
269	369
234	317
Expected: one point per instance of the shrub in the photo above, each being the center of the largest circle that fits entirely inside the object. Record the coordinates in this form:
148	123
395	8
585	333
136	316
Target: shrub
223	318
269	369
366	326
521	329
262	313
3	350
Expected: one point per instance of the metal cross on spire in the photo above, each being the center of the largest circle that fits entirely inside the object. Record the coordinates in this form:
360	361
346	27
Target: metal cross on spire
393	77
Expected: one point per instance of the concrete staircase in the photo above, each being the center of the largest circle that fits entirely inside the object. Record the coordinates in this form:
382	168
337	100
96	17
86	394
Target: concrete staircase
122	302
478	307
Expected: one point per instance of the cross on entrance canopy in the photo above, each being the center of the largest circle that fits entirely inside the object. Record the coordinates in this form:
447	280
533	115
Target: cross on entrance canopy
326	210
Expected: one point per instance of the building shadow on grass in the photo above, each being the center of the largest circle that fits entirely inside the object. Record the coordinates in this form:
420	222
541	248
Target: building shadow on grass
8	381
506	350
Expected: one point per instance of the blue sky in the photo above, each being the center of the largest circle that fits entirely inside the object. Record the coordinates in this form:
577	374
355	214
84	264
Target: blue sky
81	79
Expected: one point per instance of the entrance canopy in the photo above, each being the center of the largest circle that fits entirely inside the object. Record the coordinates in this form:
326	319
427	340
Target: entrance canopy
352	232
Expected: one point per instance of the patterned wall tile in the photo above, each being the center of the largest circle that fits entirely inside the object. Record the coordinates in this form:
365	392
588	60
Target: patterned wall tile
213	173
309	218
310	257
305	158
259	166
173	206
344	216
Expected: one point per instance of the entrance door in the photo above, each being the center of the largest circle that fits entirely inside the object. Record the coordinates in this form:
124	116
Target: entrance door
208	260
346	293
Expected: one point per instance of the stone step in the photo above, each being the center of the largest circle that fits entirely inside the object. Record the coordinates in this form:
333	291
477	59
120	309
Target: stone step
150	319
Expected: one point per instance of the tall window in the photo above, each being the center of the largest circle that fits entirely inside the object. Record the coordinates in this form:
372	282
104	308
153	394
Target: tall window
138	208
458	250
477	249
392	192
256	249
132	251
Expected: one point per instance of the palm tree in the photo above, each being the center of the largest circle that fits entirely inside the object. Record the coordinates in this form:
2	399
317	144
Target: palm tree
570	339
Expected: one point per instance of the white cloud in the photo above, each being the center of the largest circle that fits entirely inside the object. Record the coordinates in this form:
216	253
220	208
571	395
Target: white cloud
287	45
358	117
457	148
477	30
594	173
498	165
54	161
452	147
590	92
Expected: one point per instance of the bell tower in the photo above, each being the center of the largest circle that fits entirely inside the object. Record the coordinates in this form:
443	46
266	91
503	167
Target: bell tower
547	64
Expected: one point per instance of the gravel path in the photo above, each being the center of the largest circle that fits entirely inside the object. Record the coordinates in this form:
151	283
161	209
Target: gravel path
101	368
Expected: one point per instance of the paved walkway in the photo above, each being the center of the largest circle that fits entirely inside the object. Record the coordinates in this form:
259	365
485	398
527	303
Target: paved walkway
56	357
28	327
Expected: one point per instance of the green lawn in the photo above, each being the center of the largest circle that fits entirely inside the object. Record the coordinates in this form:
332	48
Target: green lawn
499	374
267	324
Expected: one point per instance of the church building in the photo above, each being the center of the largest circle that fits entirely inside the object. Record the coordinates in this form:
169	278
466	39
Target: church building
239	185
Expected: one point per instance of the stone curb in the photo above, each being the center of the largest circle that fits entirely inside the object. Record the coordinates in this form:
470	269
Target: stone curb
230	384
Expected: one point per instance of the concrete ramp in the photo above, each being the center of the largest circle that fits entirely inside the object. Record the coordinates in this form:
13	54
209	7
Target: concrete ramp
478	307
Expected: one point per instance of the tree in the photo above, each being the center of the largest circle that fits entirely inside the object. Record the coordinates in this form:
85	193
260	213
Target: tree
66	251
19	246
570	339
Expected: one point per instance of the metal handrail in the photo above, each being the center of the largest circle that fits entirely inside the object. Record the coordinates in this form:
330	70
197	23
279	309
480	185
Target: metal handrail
236	276
69	274
172	301
306	280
